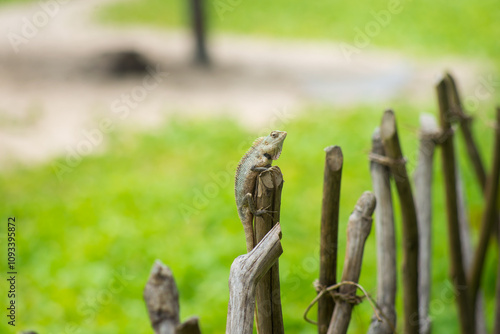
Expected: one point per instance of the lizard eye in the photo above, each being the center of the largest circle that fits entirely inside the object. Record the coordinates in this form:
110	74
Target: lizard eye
268	156
274	134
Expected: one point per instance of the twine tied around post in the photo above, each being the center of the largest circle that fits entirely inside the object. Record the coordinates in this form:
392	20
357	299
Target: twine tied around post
352	299
439	137
386	161
459	116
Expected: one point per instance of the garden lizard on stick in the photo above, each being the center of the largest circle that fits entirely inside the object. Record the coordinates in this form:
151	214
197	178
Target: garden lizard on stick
258	158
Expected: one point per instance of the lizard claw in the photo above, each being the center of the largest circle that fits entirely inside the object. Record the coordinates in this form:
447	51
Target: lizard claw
261	212
260	169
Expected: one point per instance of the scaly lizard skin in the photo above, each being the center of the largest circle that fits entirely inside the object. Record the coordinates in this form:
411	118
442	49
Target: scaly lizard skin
258	158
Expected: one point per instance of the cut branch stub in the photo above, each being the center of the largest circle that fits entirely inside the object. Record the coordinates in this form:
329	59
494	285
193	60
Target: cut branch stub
358	229
162	299
190	326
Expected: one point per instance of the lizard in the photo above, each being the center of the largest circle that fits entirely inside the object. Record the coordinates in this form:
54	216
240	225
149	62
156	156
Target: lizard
258	159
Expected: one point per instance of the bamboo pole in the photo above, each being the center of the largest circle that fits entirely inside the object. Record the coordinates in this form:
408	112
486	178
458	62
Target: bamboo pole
423	201
392	147
386	242
489	218
246	271
358	229
268	195
329	232
457	272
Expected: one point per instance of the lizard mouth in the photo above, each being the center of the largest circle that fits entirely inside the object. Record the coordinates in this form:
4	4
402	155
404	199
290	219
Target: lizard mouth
277	143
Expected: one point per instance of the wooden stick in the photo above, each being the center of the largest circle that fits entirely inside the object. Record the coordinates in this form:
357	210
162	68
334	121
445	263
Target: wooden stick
358	229
470	144
468	251
386	242
466	127
190	326
496	328
423	201
392	147
329	232
246	271
162	299
466	316
489	217
477	163
268	195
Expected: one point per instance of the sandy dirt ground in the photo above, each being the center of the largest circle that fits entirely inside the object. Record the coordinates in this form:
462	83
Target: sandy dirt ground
55	86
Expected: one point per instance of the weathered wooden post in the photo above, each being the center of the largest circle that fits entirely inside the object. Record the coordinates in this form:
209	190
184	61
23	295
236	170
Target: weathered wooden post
429	132
392	147
358	229
268	195
386	242
162	301
457	271
329	232
246	271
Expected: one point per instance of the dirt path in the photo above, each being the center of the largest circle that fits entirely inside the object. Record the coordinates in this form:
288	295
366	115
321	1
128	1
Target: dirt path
54	91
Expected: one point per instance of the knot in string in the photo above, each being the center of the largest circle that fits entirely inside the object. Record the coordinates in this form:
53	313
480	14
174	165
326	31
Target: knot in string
346	298
340	297
442	136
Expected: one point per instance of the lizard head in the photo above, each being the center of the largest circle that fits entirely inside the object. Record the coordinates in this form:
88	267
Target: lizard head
273	144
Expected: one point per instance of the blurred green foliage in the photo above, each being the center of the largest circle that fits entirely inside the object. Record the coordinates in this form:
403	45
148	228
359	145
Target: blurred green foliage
86	243
418	27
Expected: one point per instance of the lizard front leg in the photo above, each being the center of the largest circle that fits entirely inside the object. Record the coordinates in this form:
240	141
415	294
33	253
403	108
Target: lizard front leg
260	169
249	203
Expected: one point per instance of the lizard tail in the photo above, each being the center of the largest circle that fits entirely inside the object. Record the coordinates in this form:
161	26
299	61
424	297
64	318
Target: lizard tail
248	228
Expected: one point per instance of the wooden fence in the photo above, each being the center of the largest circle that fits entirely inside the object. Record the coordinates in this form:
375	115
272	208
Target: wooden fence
254	277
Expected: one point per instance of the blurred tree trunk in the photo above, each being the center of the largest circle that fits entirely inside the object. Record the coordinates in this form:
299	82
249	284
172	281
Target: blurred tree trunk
199	30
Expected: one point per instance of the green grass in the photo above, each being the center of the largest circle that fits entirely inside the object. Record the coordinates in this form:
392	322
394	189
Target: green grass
86	244
417	27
